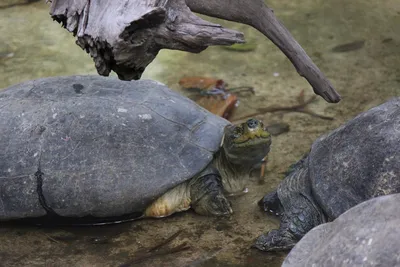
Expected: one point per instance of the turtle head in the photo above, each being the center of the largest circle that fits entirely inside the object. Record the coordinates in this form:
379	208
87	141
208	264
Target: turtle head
246	143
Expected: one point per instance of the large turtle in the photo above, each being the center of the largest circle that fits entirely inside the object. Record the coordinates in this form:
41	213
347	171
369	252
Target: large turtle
365	235
358	161
90	149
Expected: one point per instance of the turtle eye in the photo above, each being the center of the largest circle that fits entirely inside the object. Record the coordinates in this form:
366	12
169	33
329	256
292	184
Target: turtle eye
237	132
252	123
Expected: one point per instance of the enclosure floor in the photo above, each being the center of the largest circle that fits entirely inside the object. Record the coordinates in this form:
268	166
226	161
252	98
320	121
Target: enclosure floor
32	46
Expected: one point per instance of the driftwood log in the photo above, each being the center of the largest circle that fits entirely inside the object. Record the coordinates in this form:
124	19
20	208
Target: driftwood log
126	35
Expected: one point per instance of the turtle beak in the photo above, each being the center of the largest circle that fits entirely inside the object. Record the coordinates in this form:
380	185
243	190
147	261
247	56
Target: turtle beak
252	131
247	143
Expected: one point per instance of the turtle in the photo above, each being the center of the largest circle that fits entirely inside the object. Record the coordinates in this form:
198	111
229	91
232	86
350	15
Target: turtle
87	149
355	162
365	235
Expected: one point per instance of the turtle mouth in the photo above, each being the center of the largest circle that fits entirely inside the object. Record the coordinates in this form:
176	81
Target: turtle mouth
247	143
250	133
264	139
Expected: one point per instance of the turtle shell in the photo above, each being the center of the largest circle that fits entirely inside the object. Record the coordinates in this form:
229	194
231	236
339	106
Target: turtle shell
357	161
95	146
365	235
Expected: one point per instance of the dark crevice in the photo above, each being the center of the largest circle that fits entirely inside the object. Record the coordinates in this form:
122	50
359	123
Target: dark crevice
54	219
57	220
42	200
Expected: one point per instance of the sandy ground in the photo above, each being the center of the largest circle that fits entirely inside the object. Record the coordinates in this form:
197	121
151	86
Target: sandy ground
33	46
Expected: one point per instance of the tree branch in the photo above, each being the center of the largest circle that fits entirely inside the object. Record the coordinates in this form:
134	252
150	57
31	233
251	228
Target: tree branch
256	14
126	35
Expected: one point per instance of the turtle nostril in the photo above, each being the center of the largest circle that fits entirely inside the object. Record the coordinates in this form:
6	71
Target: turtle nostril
252	123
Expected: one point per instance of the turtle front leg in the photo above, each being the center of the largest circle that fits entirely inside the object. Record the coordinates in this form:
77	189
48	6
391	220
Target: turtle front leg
298	212
275	240
207	196
270	203
299	218
278	239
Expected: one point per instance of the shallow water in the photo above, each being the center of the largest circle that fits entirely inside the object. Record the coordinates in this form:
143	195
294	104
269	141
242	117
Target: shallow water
32	46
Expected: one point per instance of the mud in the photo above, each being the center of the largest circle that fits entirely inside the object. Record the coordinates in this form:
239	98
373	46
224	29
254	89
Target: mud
33	46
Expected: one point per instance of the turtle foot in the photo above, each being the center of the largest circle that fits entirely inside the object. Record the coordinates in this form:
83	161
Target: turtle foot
208	198
275	240
214	205
270	203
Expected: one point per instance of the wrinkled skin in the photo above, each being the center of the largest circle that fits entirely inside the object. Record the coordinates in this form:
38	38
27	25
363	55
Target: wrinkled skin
244	146
297	210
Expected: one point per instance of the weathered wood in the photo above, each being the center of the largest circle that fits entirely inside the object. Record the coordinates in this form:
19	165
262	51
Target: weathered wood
257	14
126	35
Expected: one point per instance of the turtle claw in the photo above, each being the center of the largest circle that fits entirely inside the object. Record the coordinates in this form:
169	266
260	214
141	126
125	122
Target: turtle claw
275	240
221	206
213	205
270	203
237	194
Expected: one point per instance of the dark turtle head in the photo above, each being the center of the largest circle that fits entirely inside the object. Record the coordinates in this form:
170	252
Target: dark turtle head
246	143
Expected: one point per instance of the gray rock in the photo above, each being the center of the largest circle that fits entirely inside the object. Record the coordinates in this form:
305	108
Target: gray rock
365	235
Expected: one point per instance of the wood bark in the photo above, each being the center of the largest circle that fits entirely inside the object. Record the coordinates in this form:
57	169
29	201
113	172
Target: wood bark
258	15
126	35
